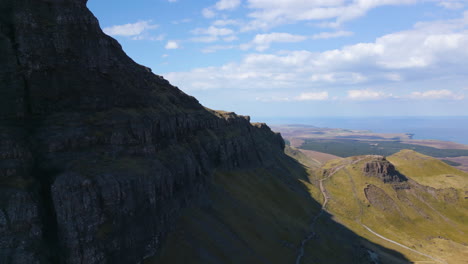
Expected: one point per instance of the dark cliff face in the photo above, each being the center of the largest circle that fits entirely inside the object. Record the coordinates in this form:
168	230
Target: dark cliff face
97	154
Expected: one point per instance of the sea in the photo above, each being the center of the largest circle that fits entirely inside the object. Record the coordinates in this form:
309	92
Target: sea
451	128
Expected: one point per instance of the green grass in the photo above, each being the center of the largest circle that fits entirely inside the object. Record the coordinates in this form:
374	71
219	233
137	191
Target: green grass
254	216
260	215
303	159
423	214
452	163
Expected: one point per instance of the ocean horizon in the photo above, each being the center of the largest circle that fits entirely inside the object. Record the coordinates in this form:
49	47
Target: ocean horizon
446	128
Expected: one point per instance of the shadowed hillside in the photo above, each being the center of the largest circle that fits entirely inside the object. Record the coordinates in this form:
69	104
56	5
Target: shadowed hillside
261	216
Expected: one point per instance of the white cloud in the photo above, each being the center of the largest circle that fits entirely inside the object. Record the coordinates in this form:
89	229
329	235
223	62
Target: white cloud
208	13
230	38
182	21
171	44
367	95
216	48
321	96
270	13
273	99
437	94
205	39
227	4
390	67
339	77
309	96
262	42
225	22
222	5
212	30
452	4
145	36
328	35
130	30
213	33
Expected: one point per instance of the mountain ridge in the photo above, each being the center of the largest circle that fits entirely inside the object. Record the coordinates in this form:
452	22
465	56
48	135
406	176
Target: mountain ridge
95	148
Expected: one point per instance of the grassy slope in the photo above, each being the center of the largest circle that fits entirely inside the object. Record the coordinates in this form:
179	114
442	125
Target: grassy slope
429	171
433	221
259	216
298	155
253	216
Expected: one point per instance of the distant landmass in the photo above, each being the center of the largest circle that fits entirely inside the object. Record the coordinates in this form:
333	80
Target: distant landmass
407	201
445	128
347	143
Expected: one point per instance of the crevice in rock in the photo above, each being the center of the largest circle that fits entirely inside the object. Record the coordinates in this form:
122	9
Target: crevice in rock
27	97
45	178
27	110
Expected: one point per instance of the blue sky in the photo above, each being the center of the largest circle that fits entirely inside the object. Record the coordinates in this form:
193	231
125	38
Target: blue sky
302	58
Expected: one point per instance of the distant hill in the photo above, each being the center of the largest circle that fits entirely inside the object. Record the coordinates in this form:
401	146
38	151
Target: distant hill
408	198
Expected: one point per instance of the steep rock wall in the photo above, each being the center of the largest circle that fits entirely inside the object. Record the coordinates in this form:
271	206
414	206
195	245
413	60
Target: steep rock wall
97	154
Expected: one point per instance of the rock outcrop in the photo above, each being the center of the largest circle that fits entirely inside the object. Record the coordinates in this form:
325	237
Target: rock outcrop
98	154
381	168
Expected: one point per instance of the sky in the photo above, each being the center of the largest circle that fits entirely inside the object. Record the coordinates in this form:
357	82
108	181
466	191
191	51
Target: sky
302	58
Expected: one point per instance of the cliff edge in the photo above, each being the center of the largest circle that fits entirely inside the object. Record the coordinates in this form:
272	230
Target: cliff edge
97	154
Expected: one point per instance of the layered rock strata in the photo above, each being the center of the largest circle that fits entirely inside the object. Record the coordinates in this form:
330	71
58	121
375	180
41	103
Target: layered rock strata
98	154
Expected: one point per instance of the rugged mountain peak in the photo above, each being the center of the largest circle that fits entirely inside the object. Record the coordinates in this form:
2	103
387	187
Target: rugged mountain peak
55	58
98	155
381	168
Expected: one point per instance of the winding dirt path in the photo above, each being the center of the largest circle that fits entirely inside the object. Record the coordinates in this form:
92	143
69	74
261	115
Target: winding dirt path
312	225
323	208
358	220
324	204
403	246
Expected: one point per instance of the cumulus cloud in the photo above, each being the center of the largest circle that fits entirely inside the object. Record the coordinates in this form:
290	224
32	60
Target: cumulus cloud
182	21
437	94
227	4
135	30
309	96
452	4
226	22
367	95
212	30
171	44
213	33
321	96
215	48
208	13
429	52
262	42
222	5
269	13
336	34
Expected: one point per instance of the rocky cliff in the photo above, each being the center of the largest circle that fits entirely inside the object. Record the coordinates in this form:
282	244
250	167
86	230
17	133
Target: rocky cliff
98	154
382	169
